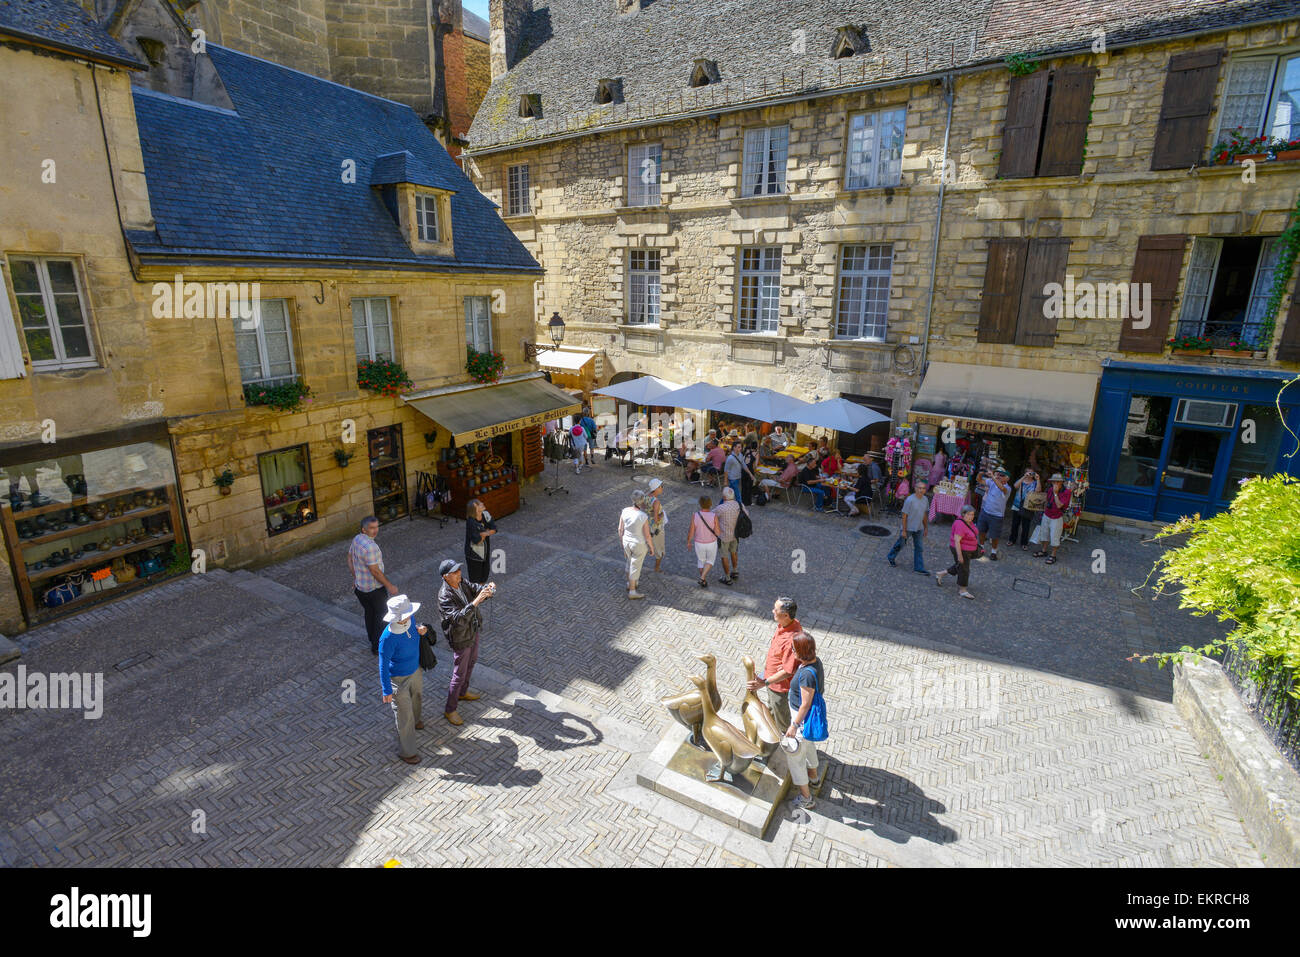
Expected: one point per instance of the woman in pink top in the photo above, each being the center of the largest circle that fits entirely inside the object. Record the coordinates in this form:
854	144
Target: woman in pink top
703	534
962	543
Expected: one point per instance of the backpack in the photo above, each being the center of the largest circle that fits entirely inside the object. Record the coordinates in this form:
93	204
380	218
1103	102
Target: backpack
744	526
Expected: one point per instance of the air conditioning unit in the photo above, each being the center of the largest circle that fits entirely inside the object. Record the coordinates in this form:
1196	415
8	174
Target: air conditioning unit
1200	412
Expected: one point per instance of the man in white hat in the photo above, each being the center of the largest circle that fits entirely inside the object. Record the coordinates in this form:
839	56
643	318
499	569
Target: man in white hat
400	678
658	519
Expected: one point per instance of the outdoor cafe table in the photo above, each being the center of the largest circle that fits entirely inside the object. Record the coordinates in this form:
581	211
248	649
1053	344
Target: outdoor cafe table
947	504
791	451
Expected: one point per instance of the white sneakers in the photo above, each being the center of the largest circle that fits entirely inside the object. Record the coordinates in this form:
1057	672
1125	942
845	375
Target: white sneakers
634	594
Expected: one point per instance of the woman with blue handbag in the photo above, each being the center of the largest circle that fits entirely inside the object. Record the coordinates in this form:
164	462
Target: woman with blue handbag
809	722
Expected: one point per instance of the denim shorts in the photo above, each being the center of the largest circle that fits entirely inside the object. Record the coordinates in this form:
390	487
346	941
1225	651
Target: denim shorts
990	525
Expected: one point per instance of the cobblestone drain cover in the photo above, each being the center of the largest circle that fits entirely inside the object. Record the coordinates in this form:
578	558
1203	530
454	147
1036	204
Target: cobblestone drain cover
879	531
1038	589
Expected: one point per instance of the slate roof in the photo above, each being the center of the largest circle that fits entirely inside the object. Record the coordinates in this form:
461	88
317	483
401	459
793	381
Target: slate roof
406	167
264	181
568	44
63	25
475	26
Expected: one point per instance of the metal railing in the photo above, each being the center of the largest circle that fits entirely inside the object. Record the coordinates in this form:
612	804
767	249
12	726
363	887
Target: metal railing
1224	332
1265	696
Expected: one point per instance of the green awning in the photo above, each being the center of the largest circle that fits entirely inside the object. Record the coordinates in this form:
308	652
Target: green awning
478	413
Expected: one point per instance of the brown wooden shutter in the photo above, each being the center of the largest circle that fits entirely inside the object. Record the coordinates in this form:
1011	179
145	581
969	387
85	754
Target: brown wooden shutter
1024	125
1288	347
1185	111
1045	264
1000	303
1159	261
1067	122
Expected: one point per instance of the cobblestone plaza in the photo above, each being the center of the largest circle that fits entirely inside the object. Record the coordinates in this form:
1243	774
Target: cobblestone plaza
1006	731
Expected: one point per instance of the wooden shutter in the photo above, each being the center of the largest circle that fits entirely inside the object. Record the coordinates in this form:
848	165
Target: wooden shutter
1067	122
1185	111
11	350
1288	348
1045	264
1000	303
1024	125
1159	261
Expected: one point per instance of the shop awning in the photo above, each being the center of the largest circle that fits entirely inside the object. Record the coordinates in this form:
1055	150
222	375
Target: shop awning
1050	406
475	413
564	361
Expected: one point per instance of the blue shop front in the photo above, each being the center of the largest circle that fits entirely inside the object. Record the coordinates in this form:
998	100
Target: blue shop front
1169	441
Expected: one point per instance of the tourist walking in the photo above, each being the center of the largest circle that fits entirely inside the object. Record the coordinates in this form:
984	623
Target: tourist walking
734	466
703	536
963	544
589	427
781	662
400	680
634	536
658	518
992	511
479	527
1058	500
809	681
1022	517
727	514
462	624
578	437
916	522
749	456
369	584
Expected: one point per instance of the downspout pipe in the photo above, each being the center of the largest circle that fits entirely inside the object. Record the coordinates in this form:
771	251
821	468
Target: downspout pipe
950	91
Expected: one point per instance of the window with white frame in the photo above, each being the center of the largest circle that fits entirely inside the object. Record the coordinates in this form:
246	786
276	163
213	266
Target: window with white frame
759	303
864	291
426	217
643	287
264	345
478	323
643	174
517	199
875	149
1217	303
763	169
52	309
1262	96
372	328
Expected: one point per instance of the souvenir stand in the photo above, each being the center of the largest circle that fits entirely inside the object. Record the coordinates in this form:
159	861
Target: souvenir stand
480	470
897	466
1076	480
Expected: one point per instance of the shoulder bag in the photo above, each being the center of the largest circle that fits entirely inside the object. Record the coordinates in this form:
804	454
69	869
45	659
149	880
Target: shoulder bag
428	660
744	525
814	723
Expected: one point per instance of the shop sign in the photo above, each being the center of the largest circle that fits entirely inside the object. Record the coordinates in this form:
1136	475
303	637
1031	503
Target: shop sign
1001	428
492	431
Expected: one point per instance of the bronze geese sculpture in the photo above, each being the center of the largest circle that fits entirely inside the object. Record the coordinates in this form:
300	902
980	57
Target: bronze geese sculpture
725	740
760	726
685	707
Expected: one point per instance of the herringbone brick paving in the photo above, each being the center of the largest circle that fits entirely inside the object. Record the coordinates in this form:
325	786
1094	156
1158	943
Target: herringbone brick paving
1010	733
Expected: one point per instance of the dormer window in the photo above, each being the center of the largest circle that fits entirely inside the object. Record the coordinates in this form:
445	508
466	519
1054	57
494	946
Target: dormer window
609	91
704	73
426	217
850	40
530	106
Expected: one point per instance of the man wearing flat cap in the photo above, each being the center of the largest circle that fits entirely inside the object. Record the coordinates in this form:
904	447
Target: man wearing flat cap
400	678
458	601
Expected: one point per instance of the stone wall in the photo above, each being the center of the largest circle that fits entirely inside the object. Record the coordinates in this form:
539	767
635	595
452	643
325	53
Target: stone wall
478	73
384	47
580	228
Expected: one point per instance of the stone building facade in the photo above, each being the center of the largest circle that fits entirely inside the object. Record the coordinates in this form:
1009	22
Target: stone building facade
1107	177
110	383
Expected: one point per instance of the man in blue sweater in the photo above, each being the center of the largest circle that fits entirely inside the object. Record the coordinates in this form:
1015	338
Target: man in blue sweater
400	678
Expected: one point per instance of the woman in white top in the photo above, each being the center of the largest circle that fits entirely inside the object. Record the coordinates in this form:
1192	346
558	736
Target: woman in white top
634	533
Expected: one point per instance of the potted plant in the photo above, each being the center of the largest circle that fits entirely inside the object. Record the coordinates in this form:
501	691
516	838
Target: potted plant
343	457
383	376
1235	349
1286	149
287	397
484	366
1238	147
1190	346
224	481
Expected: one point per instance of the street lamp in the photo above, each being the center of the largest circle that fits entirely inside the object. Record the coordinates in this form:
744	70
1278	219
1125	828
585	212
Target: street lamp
556	327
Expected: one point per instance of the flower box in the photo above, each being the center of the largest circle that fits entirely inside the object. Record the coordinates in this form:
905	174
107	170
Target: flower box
1191	352
1287	155
1256	157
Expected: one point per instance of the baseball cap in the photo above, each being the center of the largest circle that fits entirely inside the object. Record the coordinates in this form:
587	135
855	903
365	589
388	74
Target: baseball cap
448	566
656	484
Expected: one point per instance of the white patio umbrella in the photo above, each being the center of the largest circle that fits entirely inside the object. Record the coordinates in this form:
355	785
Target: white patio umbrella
645	390
840	415
765	406
701	395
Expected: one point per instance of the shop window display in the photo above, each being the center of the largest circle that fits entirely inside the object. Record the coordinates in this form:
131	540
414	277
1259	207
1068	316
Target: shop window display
1262	424
80	524
1144	436
287	491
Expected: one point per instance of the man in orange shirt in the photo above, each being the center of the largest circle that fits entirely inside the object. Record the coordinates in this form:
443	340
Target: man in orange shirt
782	662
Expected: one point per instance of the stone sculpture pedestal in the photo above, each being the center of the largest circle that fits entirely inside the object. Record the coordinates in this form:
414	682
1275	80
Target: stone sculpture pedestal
676	770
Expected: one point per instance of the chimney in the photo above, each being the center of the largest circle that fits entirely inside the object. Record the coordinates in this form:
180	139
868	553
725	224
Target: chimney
507	19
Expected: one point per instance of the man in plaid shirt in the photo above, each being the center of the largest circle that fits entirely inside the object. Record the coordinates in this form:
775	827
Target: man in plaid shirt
371	587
